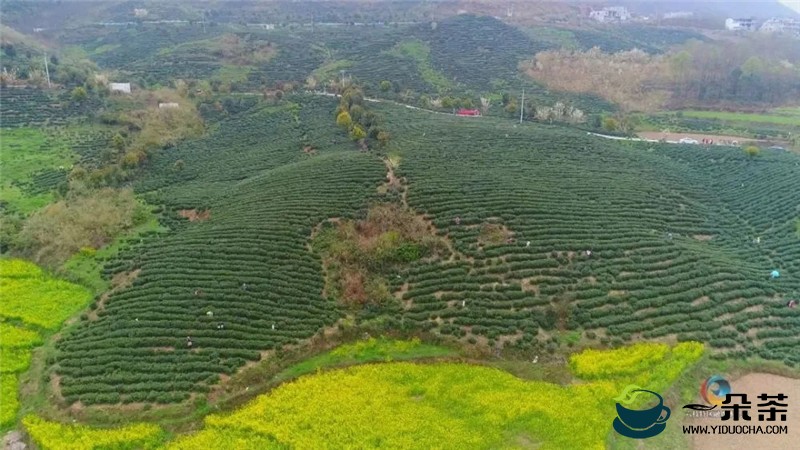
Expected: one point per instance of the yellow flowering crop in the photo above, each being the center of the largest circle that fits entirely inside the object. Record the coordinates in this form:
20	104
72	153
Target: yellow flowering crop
413	406
592	364
225	439
37	298
11	336
18	268
406	405
8	399
56	436
14	359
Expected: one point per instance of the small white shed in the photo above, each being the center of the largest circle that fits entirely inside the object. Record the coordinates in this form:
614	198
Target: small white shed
125	88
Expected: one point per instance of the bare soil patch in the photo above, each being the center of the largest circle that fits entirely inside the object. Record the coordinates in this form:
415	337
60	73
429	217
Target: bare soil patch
390	234
55	386
718	139
194	215
529	286
755	384
703	237
163	349
124	279
494	234
121	280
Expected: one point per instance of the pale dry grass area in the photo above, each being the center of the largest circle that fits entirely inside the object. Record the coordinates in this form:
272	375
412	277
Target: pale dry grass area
631	79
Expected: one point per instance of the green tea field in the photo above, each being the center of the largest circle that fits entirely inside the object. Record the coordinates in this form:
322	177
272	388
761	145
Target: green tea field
400	225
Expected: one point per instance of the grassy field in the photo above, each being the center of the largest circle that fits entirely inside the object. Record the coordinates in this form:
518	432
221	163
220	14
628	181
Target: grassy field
781	116
420	53
372	350
86	268
24	153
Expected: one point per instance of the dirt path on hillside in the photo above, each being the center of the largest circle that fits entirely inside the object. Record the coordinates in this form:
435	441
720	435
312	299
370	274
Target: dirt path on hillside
717	138
753	385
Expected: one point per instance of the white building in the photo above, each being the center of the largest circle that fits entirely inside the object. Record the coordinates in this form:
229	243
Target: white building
611	14
266	26
678	15
168	105
781	26
740	24
139	12
125	88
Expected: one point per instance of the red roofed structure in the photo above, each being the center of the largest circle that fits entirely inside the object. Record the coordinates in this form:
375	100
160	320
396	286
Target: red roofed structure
468	112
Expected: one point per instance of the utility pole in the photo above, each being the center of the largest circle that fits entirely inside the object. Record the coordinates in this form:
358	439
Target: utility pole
522	106
47	71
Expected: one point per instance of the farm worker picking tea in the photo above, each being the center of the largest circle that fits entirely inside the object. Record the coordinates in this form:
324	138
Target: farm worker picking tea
775	274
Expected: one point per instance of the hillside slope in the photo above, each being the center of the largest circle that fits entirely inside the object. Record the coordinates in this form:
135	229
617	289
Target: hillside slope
238	284
670	228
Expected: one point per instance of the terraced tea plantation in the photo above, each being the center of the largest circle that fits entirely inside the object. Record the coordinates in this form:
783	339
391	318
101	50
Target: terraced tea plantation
24	106
463	55
671	232
218	293
624	242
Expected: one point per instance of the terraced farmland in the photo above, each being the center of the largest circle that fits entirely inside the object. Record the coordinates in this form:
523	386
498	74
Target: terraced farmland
461	56
671	231
237	285
23	106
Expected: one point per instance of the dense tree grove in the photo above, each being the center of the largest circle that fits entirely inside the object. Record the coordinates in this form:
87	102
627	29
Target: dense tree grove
760	69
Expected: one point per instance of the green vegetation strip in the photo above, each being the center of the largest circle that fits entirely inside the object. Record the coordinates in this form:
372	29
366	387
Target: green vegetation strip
786	116
24	152
371	350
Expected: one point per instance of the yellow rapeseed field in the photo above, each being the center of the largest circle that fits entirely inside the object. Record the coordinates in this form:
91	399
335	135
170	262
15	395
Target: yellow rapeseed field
8	399
56	436
406	405
415	406
36	298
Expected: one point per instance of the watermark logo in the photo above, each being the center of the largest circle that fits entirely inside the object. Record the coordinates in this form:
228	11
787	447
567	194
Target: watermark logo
714	390
640	423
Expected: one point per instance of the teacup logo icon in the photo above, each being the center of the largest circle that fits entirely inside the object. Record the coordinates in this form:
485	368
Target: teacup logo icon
640	423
